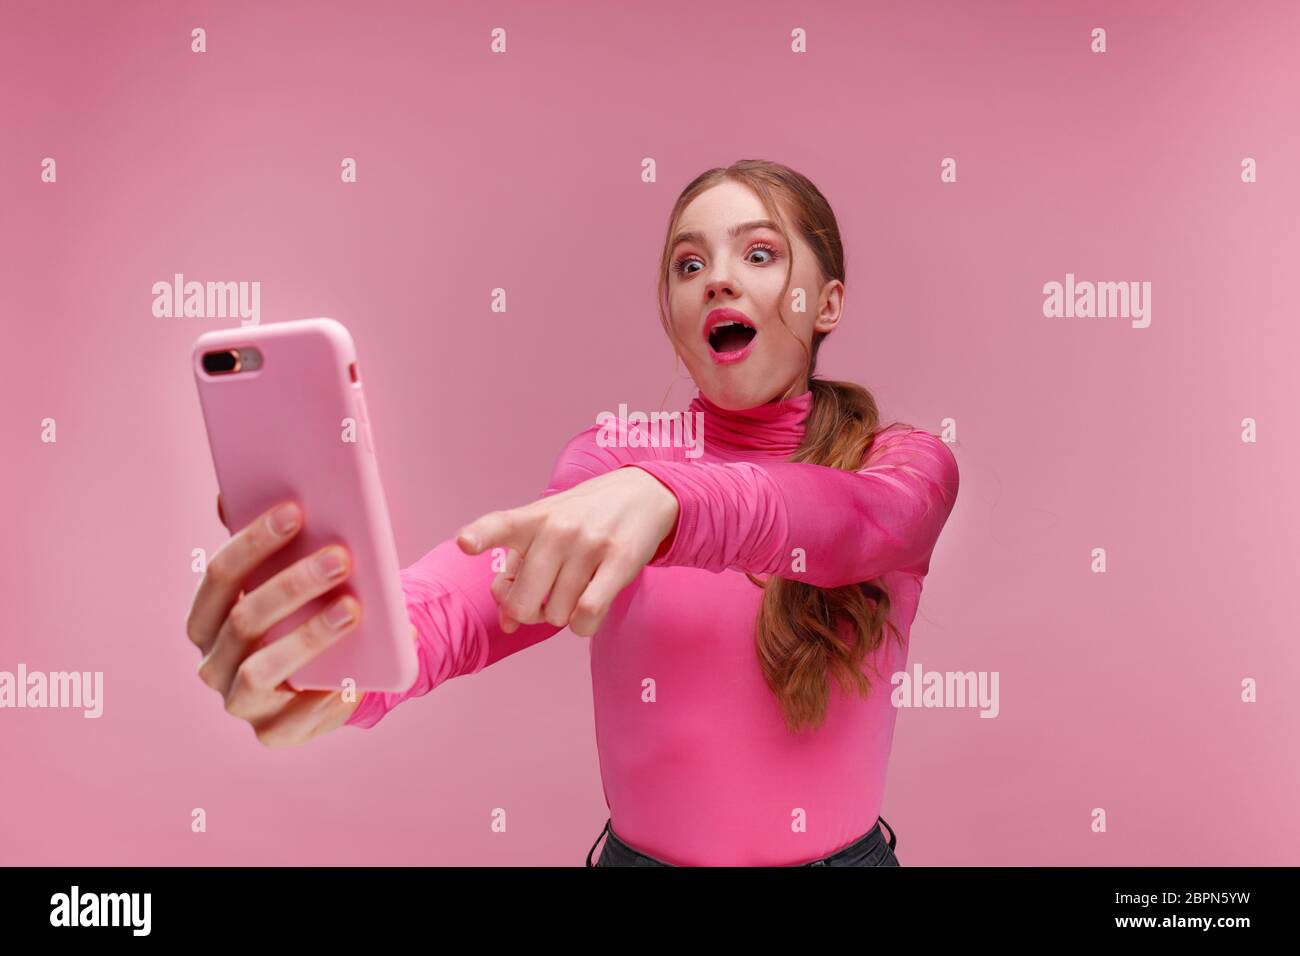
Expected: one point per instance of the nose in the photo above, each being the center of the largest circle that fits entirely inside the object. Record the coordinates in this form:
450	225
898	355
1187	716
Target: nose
720	283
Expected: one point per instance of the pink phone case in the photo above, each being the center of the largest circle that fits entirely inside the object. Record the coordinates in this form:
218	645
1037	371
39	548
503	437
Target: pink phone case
296	428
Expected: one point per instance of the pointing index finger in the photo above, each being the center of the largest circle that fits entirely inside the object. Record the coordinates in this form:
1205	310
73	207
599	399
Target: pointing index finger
495	529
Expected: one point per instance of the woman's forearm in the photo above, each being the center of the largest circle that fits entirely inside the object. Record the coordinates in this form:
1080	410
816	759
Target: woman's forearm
824	526
449	601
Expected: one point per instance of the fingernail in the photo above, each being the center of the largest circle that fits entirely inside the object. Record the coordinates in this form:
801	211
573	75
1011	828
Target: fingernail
284	519
339	613
471	541
330	562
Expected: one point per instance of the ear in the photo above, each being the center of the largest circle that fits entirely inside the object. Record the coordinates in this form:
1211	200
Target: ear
830	306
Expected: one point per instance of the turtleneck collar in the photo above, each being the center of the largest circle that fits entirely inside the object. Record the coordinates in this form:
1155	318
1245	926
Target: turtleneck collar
770	431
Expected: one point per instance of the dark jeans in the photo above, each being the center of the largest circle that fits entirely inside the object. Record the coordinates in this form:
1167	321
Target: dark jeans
871	849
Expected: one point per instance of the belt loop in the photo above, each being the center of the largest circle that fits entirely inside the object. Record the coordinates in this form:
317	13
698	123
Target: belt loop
893	840
603	831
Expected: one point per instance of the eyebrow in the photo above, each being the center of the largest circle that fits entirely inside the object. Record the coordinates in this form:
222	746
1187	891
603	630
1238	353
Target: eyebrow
733	232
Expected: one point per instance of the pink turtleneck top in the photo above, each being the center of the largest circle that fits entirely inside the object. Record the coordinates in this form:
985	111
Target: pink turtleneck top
697	764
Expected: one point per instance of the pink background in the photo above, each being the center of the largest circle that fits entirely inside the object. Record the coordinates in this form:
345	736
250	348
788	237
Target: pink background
522	171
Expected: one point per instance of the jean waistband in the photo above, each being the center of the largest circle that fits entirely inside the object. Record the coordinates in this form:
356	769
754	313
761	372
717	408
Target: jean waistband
608	833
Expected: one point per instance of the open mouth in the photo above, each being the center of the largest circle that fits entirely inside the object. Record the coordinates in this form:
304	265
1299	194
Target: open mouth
730	335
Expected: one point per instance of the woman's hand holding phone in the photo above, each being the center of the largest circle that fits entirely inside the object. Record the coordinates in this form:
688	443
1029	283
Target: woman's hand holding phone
570	554
227	626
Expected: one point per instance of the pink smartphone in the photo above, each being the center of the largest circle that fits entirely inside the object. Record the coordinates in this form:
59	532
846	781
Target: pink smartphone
286	420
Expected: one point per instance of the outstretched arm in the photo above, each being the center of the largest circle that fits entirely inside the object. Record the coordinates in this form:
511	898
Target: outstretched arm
450	603
851	526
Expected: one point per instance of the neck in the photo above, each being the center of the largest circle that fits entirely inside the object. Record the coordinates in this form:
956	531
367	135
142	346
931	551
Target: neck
771	431
800	388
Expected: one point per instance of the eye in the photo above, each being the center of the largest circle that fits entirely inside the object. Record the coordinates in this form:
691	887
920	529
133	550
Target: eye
680	265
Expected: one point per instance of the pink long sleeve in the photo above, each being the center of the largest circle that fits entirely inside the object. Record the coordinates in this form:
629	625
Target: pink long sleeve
851	526
705	771
449	600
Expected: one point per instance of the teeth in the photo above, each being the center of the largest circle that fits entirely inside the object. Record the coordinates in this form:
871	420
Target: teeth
726	322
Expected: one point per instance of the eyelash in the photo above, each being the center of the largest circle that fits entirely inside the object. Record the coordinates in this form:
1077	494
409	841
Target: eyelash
679	266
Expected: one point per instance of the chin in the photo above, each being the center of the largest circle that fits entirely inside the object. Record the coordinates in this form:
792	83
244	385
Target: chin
734	396
736	389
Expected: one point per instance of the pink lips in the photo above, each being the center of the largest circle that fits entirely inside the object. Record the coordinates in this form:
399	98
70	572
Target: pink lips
728	315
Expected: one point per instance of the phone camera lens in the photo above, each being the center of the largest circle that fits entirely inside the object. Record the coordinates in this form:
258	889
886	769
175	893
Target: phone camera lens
218	363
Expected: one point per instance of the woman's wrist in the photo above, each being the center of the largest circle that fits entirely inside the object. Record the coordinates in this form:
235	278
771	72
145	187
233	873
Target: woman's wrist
666	507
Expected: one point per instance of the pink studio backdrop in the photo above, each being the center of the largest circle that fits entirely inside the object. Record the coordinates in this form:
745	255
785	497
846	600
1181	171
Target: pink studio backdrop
522	171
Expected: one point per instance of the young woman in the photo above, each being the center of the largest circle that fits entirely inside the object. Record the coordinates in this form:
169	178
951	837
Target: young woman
748	604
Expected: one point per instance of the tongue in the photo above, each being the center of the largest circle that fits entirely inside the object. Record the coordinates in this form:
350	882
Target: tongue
732	339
